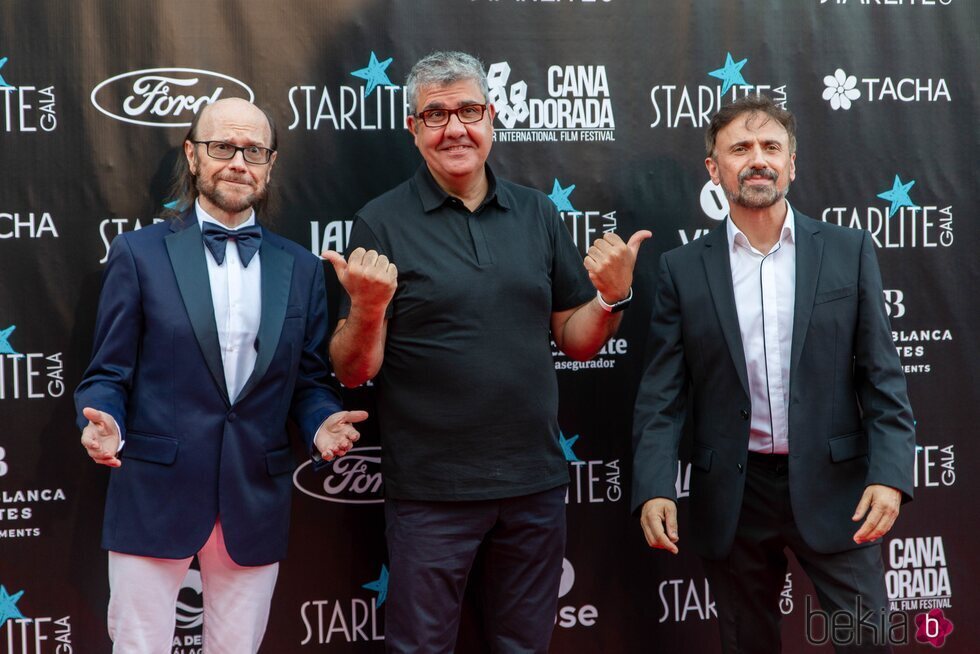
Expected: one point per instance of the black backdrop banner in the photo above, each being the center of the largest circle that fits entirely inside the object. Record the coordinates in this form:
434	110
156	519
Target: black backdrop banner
601	105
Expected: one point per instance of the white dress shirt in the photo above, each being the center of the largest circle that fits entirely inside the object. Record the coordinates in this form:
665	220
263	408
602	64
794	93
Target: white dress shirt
765	293
236	292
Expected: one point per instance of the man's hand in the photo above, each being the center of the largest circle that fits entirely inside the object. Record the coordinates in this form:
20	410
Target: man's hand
884	502
659	521
100	438
336	436
368	277
610	264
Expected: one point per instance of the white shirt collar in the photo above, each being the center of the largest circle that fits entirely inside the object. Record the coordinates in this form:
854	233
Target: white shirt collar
736	237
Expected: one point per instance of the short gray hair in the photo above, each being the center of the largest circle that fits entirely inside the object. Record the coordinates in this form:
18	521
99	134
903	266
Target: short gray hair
443	69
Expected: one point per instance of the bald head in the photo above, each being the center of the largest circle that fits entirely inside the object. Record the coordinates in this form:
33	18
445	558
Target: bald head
234	116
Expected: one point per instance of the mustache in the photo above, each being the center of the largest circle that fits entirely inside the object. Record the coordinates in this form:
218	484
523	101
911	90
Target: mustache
237	180
768	173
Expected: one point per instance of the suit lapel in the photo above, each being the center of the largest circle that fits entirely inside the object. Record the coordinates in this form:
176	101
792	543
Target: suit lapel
277	277
719	273
186	249
809	254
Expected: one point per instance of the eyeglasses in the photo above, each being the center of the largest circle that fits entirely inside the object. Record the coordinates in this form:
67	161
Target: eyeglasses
470	113
253	154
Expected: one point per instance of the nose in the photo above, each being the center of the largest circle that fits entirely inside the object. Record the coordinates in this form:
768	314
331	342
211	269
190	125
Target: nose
238	160
455	127
758	157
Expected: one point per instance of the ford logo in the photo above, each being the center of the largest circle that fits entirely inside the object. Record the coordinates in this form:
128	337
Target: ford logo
164	97
354	478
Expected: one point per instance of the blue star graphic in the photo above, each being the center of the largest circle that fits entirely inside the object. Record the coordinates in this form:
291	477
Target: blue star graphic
560	195
380	586
3	83
566	447
898	195
730	74
374	74
5	346
8	606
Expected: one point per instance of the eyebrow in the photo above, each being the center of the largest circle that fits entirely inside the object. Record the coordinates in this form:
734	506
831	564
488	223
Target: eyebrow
749	142
438	104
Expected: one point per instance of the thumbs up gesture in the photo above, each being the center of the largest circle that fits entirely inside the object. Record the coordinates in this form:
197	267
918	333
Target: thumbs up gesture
368	277
610	264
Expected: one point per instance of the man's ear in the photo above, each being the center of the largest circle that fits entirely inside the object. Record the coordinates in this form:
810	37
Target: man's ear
712	167
191	160
412	124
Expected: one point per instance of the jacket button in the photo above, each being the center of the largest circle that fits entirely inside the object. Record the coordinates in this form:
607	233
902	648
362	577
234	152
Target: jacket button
744	414
232	416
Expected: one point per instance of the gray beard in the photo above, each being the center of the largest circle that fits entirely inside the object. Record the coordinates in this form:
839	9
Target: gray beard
756	198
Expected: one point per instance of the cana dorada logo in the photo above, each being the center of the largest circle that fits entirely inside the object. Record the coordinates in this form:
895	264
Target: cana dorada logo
164	97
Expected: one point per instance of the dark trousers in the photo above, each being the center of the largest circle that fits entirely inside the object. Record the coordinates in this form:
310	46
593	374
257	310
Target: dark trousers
431	548
747	584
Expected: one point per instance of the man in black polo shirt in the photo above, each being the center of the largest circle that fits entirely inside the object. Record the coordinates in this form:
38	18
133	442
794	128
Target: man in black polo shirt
459	338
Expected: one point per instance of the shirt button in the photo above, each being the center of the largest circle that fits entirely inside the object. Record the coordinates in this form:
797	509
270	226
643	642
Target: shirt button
744	414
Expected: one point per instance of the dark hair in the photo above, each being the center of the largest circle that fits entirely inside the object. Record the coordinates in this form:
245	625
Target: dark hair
749	104
183	190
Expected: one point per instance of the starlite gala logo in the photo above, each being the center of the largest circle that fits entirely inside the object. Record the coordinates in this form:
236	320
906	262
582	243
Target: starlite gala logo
25	107
594	481
376	103
585	225
29	375
351	619
687	105
164	97
900	221
351	479
31	634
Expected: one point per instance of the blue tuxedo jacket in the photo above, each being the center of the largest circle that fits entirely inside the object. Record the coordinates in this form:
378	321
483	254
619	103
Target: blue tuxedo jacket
190	454
850	424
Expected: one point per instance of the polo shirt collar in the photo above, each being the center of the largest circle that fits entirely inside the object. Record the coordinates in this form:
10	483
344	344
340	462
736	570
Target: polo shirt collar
433	196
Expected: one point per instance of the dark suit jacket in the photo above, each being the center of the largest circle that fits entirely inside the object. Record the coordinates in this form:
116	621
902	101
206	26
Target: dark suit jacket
190	455
850	424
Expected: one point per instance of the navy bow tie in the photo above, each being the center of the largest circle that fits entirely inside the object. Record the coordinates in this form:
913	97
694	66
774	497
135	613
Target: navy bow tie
248	239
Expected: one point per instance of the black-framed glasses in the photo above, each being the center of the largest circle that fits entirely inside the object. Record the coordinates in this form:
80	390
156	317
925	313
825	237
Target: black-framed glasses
469	113
253	154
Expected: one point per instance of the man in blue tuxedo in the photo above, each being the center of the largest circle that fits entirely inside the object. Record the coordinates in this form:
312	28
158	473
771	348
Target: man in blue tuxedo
769	339
209	335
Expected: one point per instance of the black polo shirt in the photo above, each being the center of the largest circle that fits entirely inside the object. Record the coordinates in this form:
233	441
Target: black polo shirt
467	394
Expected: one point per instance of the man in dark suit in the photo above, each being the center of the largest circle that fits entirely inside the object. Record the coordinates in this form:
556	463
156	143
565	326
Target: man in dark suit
769	336
209	335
